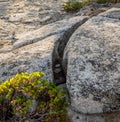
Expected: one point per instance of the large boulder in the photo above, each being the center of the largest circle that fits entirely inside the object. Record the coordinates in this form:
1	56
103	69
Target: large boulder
33	51
92	65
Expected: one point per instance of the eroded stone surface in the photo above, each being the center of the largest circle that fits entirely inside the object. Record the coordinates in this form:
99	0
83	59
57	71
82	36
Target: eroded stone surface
105	117
27	45
112	13
23	54
21	16
92	57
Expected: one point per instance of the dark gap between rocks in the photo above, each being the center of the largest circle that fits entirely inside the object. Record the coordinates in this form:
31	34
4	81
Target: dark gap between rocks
59	77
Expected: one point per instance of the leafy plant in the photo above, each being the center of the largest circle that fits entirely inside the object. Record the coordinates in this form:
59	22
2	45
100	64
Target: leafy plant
18	94
72	6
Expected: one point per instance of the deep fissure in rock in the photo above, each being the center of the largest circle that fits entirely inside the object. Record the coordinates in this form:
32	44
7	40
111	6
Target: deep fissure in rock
59	77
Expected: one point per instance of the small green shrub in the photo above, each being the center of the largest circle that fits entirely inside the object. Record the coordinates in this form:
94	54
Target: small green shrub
72	6
18	93
105	1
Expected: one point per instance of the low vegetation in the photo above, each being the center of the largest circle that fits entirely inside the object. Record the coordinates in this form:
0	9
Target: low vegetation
105	1
19	95
75	5
72	6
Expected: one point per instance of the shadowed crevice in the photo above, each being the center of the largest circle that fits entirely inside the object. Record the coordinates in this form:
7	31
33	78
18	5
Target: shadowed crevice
59	77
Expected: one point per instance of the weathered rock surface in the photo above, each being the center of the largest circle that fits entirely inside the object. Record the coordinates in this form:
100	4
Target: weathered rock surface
104	117
28	42
27	15
23	54
92	61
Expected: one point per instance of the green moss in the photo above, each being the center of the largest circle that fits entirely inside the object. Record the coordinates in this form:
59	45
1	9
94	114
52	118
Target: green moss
18	93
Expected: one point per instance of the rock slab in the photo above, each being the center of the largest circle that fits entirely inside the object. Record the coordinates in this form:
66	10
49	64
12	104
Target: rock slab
92	65
33	51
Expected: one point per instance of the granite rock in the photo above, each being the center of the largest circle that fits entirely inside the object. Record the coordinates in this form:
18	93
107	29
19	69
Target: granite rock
92	64
33	50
